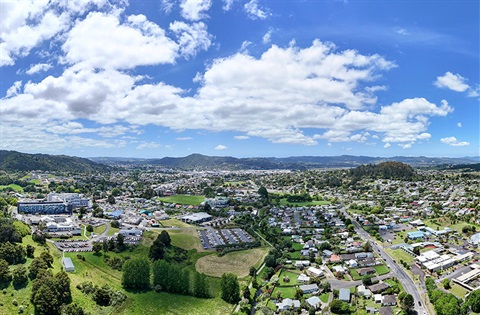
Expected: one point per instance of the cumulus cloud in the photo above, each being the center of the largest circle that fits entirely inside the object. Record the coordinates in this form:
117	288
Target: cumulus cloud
220	147
387	145
268	36
184	138
277	96
194	9
227	4
191	37
148	145
459	125
254	11
454	142
41	67
405	145
241	137
457	83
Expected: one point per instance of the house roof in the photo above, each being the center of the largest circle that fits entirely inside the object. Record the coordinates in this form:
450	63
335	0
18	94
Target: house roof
389	299
344	294
314	300
386	311
378	287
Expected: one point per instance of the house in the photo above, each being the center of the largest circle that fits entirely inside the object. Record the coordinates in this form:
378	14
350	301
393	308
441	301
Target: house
339	269
344	295
301	263
68	264
365	271
335	258
314	302
352	263
415	235
367	262
377	288
389	300
363	291
386	311
378	298
370	310
309	288
327	253
302	278
288	304
315	272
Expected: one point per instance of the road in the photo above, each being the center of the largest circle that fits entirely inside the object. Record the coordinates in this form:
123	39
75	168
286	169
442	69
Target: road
401	275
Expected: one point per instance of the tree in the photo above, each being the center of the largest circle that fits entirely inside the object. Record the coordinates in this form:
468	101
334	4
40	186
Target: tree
115	224
230	288
89	228
367	279
97	247
253	271
339	307
5	275
47	257
298	294
63	287
101	296
164	237
36	266
136	274
72	309
473	300
120	242
30	251
408	302
446	283
200	288
39	238
111	199
262	191
157	250
20	278
45	299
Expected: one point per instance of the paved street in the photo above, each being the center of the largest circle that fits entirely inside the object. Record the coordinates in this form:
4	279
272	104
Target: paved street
401	275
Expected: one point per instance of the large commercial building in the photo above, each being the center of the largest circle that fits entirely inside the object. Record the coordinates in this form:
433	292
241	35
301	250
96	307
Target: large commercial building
73	199
44	207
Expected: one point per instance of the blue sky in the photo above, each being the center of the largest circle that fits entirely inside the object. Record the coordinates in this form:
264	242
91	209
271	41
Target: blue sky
242	78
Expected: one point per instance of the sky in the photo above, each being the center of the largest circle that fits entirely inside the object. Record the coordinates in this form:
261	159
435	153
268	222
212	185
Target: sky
243	78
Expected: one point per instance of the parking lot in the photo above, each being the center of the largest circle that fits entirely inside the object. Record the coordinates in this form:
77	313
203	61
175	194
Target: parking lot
73	246
211	238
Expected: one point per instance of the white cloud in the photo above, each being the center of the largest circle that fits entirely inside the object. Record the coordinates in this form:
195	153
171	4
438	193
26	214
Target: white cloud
402	31
167	5
405	145
194	9
452	81
184	138
241	137
14	89
38	68
227	4
191	37
454	142
387	145
148	145
459	125
254	11
220	147
268	36
244	47
102	41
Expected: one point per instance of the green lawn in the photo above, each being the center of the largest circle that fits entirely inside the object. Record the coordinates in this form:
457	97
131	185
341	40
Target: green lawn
175	222
112	231
297	246
291	275
355	275
183	199
324	297
186	239
287	292
294	255
381	269
99	229
458	291
400	254
15	187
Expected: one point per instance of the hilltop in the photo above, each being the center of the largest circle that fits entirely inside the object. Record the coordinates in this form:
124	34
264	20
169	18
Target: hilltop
16	161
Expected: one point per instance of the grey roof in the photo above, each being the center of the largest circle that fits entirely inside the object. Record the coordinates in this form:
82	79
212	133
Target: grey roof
344	295
309	287
67	263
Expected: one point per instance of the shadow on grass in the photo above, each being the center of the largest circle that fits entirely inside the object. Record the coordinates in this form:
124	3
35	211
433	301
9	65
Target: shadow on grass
4	285
137	291
19	286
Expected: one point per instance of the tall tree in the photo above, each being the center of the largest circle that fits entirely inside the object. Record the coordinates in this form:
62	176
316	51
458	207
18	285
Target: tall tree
230	288
164	237
5	274
136	274
20	278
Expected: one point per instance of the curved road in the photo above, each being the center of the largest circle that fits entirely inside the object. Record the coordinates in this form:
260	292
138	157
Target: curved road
401	275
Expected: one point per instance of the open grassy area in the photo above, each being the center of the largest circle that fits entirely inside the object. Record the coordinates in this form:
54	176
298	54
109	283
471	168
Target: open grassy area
297	246
112	231
458	291
355	275
238	263
293	278
175	222
183	199
399	254
324	297
445	221
381	269
186	239
15	187
99	229
287	292
284	202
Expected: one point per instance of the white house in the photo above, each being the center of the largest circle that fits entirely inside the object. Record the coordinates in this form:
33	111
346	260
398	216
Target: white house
302	278
68	264
315	272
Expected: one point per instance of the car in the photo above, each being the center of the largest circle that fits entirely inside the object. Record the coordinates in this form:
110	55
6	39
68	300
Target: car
419	303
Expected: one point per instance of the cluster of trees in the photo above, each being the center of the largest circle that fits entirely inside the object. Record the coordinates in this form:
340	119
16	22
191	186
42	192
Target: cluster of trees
385	170
444	303
158	248
50	292
166	277
230	288
407	302
174	279
116	245
13	254
299	198
104	295
340	307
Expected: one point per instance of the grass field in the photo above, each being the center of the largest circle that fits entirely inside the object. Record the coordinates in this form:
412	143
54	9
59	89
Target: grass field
238	263
445	221
284	202
355	275
381	269
112	231
15	187
458	291
100	229
183	199
399	254
297	246
324	297
186	239
293	277
287	292
175	222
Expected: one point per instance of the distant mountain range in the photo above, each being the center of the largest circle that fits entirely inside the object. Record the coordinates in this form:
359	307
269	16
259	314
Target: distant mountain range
16	161
198	161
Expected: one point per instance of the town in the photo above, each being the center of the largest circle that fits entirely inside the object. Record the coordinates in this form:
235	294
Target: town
385	239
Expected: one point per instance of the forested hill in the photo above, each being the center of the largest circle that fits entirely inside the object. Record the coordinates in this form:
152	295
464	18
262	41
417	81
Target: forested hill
16	161
385	170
